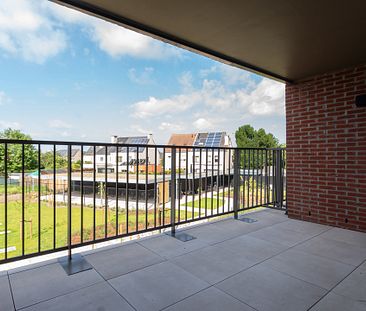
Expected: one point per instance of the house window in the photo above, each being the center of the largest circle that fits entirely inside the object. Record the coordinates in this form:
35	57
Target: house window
101	158
120	159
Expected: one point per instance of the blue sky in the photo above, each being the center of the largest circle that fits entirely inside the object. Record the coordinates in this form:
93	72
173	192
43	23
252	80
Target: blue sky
68	76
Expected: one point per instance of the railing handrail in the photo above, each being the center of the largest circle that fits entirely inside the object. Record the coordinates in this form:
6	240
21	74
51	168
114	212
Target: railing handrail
91	144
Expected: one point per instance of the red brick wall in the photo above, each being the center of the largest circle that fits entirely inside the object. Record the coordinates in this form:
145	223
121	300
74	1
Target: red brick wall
326	149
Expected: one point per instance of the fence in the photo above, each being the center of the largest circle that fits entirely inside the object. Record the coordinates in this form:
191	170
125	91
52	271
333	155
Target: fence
105	197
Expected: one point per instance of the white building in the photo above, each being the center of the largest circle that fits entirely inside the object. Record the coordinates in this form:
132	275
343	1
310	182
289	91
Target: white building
127	155
199	160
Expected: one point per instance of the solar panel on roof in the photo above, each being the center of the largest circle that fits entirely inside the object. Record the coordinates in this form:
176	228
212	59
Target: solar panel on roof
212	139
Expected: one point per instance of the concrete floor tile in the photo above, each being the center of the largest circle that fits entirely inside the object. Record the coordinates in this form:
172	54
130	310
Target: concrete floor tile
281	236
266	289
157	286
333	249
100	296
252	249
43	283
211	299
169	247
314	269
6	301
121	260
354	286
348	236
333	302
212	264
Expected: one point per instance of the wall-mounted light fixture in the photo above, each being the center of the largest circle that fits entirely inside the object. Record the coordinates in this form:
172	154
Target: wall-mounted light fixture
361	100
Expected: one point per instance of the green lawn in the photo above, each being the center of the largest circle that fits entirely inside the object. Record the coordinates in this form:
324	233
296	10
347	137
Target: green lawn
46	215
210	203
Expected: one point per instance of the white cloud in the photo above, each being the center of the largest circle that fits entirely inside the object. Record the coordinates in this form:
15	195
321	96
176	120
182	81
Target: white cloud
202	124
3	98
36	30
167	126
26	32
118	41
59	124
10	124
267	98
144	77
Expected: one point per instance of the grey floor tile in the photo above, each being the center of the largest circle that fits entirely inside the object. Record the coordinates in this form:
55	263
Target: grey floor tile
235	228
210	234
169	247
121	260
6	301
281	236
157	286
43	283
212	264
311	268
333	302
354	286
303	227
252	249
211	299
348	236
333	249
33	266
97	297
266	289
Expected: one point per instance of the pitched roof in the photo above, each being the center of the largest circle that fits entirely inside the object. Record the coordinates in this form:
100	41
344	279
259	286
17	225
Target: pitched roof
182	139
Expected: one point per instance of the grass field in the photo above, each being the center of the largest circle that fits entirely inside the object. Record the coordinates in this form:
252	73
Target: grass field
210	203
46	232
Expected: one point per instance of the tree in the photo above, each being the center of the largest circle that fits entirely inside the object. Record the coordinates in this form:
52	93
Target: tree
47	161
247	137
15	154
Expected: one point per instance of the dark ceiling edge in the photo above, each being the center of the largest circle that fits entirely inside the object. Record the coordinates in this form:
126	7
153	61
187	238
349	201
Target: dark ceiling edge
166	37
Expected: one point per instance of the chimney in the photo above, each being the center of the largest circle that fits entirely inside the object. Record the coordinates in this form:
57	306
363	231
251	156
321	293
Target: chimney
114	139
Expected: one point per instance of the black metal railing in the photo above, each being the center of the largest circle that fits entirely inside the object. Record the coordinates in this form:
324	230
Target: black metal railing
61	195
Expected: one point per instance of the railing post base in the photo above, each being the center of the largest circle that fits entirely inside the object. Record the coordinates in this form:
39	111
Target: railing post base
75	264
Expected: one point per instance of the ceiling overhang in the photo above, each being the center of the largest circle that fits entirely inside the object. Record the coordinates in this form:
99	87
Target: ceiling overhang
285	40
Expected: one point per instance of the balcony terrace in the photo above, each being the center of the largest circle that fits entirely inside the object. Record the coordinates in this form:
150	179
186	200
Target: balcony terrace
268	263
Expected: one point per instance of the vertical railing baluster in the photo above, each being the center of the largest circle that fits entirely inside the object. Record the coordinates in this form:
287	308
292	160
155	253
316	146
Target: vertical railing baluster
54	197
39	197
117	195
146	184
69	202
127	188
82	193
137	189
223	180
106	192
186	198
6	197
236	189
94	192
173	188
23	200
163	187
179	182
229	180
200	183
193	181
206	181
218	182
155	182
212	180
